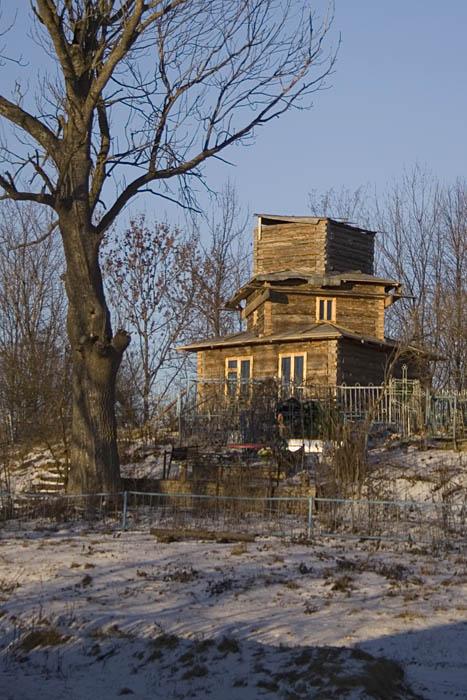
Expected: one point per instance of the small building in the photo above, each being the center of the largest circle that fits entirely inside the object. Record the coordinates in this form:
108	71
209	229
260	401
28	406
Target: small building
314	312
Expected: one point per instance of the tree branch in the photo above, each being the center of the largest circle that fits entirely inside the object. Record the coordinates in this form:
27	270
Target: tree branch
12	193
32	125
48	16
101	161
41	239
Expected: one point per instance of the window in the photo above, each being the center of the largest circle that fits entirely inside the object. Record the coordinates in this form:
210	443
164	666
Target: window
238	373
292	369
325	309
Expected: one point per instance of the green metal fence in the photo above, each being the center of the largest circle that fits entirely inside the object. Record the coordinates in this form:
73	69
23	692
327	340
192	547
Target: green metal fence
304	518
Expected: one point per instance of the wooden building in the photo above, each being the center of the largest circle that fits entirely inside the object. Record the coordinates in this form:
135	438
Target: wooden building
313	311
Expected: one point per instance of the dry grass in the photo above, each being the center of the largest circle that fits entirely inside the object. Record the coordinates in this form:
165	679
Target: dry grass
410	615
40	638
110	632
344	584
168	535
239	549
228	645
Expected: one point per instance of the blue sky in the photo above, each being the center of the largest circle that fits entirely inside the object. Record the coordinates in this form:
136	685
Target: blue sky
398	95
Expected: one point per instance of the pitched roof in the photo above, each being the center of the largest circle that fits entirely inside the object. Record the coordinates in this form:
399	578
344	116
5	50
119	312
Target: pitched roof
323	330
329	280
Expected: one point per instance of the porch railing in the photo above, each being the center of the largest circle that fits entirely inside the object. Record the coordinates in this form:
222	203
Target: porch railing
255	413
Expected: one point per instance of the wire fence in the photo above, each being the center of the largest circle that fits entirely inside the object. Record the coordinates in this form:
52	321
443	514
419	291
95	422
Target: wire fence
21	511
441	523
404	521
305	517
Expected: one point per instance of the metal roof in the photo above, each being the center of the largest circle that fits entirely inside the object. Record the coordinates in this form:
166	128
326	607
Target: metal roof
292	219
315	331
329	280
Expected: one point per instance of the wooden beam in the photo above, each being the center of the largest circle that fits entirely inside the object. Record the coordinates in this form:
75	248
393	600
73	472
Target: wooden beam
257	301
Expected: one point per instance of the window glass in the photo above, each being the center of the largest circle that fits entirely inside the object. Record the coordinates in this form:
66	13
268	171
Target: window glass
325	309
231	383
244	377
238	375
298	369
245	369
321	309
286	366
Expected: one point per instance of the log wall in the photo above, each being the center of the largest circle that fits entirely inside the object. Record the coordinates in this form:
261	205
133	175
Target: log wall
286	311
321	247
287	246
360	364
321	360
348	249
292	310
361	315
365	364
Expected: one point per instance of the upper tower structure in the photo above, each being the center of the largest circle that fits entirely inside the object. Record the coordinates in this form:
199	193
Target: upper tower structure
313	310
320	246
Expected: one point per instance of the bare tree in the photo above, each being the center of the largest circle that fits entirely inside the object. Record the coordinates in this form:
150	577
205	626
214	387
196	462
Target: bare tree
33	390
408	218
144	91
422	242
147	276
222	265
450	298
354	206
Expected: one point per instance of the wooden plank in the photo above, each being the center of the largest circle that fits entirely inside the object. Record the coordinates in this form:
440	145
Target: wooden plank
320	359
257	299
347	249
290	245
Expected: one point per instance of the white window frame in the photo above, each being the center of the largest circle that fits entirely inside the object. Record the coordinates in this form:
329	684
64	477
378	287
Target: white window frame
333	311
292	355
227	369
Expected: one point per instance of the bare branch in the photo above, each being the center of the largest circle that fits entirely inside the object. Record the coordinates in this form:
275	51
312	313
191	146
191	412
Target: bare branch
11	192
36	241
101	162
32	125
48	15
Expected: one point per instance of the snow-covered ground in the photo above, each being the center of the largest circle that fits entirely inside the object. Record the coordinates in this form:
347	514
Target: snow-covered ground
411	473
397	473
41	468
102	615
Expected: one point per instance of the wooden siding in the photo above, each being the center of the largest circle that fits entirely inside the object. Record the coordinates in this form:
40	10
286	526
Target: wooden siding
255	320
361	315
200	364
321	360
359	363
284	246
285	311
366	364
292	310
321	247
348	249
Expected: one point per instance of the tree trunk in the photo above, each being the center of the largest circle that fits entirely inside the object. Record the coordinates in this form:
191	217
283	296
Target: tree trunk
94	463
96	355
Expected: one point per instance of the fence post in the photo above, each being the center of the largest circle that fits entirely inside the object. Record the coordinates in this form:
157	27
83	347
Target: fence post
125	510
310	516
428	412
454	423
179	417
